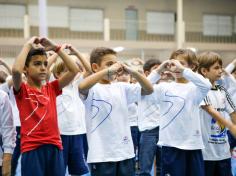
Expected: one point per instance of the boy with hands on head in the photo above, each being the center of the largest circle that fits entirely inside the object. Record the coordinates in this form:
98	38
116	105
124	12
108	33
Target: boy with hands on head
110	144
36	100
180	130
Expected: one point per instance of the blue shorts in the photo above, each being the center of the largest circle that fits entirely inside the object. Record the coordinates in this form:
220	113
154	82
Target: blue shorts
176	162
46	160
218	168
73	153
119	168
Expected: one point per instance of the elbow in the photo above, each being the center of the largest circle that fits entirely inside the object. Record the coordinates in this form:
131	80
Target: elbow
148	91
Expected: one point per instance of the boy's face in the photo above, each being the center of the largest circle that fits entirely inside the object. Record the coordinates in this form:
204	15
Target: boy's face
214	72
37	68
106	61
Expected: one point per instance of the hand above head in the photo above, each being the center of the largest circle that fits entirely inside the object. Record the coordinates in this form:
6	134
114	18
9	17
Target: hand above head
163	67
48	44
33	41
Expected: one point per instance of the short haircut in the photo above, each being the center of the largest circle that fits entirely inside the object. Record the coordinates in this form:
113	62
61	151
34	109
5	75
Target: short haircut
188	55
207	59
58	67
3	77
97	54
150	63
34	52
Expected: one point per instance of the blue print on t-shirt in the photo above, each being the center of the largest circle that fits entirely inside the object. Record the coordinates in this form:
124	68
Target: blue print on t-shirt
101	106
177	104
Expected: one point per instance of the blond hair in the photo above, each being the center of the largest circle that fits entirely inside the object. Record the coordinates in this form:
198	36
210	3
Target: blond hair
58	67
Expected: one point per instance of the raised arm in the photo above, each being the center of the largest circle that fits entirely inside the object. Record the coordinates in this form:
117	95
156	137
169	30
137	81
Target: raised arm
82	59
70	64
90	81
231	66
143	81
18	66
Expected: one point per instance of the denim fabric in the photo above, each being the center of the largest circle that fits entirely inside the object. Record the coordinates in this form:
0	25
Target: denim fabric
148	151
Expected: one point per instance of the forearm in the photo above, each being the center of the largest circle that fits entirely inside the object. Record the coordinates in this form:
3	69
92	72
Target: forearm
154	77
19	63
144	82
90	81
218	117
202	83
52	59
70	64
84	61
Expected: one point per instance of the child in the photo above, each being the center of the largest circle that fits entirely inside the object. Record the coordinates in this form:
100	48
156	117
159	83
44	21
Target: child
148	123
7	135
216	153
71	117
36	100
110	144
7	88
180	131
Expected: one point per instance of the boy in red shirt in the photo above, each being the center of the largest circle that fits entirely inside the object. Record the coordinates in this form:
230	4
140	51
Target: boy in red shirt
36	100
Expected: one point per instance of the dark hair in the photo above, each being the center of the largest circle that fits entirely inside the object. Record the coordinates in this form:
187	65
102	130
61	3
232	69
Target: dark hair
97	54
34	52
188	55
3	77
150	63
207	59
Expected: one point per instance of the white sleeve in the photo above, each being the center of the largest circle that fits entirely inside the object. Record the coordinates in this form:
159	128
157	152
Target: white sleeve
7	126
133	92
229	68
229	82
202	83
230	106
154	77
4	87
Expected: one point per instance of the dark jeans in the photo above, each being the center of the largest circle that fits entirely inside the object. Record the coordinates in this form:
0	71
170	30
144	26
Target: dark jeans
218	168
148	151
119	168
16	153
135	137
177	162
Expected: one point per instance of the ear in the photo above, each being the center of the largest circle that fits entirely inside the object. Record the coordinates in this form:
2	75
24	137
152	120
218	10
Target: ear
203	71
147	73
95	67
25	70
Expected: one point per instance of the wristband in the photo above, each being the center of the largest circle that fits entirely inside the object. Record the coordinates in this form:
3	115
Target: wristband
57	48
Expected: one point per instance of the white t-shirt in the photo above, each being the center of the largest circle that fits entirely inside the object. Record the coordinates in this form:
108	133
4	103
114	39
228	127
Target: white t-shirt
107	123
71	110
214	134
7	129
149	116
179	111
16	119
133	114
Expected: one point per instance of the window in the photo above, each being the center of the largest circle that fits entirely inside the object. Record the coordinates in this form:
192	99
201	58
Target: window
87	20
57	16
12	16
217	25
160	23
